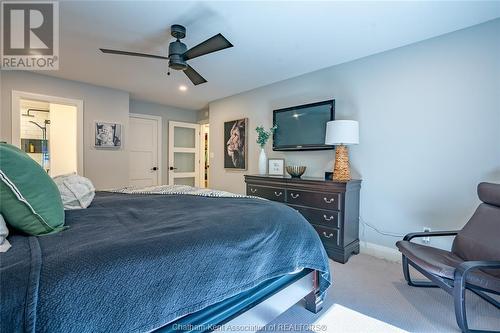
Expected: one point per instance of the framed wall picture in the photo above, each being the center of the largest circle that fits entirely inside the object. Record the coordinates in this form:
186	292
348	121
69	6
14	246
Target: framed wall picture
235	144
276	166
108	135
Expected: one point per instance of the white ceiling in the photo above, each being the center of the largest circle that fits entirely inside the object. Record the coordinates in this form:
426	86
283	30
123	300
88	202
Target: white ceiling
272	41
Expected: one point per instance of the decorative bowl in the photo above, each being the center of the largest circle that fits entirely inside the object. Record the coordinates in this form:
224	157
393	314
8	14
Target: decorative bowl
295	171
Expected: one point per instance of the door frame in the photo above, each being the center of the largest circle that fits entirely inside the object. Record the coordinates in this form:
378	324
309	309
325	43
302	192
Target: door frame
17	95
159	145
172	150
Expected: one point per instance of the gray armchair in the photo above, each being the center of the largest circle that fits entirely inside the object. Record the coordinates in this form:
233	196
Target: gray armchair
473	262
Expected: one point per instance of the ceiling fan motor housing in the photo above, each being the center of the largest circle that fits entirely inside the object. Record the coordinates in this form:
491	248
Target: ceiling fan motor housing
175	59
178	31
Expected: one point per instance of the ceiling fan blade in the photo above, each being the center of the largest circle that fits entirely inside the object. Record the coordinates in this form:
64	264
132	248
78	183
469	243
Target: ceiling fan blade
194	76
135	54
215	43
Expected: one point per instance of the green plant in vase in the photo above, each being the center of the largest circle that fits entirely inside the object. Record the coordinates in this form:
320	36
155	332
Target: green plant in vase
262	138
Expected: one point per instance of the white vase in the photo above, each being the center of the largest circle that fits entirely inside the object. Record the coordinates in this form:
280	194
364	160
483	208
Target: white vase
262	162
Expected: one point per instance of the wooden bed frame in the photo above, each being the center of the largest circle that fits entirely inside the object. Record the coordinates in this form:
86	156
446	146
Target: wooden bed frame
254	312
270	308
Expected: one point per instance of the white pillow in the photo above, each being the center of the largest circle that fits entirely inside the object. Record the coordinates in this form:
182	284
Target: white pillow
4	232
76	191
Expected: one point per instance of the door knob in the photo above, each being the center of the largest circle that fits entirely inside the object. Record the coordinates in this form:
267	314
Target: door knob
172	168
154	168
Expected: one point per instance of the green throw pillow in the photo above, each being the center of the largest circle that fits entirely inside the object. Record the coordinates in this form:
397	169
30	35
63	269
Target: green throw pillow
29	198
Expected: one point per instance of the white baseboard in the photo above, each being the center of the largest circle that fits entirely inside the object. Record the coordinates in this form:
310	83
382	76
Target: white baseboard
379	251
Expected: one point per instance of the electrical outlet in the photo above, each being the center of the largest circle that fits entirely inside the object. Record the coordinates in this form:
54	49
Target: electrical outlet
426	240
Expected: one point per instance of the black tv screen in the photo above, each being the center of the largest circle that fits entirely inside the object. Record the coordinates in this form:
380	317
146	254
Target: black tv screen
303	127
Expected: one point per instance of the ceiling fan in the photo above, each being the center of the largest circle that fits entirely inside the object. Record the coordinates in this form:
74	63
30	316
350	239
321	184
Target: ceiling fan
178	54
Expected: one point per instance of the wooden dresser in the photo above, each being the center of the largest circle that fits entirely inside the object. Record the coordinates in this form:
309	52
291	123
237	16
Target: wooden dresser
331	207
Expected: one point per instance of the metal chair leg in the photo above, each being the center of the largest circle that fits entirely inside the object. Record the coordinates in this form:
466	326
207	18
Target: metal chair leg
456	287
406	270
406	273
459	301
460	287
460	310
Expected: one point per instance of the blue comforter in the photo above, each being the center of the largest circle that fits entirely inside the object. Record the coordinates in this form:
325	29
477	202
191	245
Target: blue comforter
132	263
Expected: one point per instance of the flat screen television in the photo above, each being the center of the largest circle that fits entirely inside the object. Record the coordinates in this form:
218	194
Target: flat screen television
303	127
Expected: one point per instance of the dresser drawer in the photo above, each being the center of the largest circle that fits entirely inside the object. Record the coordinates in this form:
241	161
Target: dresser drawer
329	236
327	218
271	193
314	199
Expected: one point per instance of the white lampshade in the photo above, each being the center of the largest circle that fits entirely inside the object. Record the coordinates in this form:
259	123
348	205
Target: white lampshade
342	132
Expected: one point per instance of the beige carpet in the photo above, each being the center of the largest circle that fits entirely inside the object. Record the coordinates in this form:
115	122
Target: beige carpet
370	295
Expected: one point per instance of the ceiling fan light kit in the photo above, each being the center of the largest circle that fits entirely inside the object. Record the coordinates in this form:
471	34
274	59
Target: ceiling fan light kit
178	53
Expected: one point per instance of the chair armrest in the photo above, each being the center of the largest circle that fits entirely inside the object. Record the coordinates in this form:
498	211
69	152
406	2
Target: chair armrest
412	235
462	269
466	266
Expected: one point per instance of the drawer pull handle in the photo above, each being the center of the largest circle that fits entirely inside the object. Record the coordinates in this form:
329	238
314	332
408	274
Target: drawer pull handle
328	201
294	196
328	218
253	190
327	236
278	194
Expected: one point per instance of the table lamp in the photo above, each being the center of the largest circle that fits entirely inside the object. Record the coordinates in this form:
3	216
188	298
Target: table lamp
341	133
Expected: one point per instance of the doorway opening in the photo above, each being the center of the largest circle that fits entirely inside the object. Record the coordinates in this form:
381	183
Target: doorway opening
48	134
204	155
50	130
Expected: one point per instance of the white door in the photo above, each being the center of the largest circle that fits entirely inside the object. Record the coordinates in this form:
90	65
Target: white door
63	147
144	150
183	153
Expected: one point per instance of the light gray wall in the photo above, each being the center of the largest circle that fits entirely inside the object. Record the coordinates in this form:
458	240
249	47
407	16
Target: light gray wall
429	118
203	117
106	168
167	113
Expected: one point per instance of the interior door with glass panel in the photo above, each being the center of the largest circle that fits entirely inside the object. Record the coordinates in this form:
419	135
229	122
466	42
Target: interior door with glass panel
183	153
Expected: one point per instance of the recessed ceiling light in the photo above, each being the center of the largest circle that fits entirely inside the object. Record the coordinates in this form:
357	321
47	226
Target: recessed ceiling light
183	88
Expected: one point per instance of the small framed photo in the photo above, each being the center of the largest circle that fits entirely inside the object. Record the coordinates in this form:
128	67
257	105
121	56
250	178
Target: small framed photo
108	135
276	166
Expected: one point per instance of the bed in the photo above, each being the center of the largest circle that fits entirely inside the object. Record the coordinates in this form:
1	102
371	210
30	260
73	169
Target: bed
142	263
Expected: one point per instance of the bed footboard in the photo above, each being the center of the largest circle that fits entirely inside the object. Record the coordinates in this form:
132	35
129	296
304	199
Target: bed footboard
314	301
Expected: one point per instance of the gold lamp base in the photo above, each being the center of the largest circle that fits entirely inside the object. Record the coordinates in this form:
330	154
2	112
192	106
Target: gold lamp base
341	170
